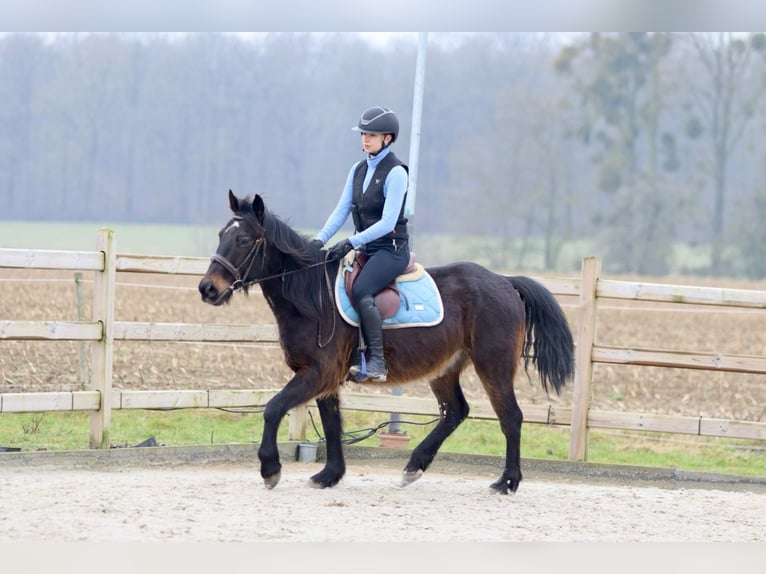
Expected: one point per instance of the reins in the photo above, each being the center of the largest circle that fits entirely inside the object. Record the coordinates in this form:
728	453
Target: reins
249	259
240	284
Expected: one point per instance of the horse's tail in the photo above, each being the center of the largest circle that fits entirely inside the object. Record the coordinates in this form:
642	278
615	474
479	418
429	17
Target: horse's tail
548	344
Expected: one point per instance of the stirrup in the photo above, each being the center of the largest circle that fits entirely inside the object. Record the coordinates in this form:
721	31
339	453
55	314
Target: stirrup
356	370
360	374
370	378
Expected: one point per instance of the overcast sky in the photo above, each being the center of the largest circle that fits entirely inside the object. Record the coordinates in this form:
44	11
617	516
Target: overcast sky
350	15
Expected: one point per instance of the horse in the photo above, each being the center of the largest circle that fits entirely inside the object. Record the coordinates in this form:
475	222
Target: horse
490	320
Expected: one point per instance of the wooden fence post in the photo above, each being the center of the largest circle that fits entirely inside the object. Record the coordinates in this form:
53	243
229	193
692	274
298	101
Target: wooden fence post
298	423
103	350
82	346
586	336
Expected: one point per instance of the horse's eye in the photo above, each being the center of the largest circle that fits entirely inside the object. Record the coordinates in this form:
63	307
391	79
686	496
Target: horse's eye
243	240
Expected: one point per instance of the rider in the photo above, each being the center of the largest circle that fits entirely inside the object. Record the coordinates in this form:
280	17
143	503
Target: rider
374	194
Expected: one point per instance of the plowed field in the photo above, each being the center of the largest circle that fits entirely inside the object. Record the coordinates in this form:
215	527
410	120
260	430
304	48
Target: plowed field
57	366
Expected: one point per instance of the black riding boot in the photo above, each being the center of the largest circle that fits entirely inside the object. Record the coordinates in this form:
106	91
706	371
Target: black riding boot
372	328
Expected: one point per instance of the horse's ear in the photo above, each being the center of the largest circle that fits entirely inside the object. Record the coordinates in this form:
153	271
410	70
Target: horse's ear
259	208
233	202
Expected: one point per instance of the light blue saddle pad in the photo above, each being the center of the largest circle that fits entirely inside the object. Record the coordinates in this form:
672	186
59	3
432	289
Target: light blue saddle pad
420	303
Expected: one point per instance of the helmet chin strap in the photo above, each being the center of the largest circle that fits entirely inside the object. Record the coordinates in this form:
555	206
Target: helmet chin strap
384	146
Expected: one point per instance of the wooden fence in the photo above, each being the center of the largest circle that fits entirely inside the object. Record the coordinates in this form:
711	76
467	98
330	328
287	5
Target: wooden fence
103	330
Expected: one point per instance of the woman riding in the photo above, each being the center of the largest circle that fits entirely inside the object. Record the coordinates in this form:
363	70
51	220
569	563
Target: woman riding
374	194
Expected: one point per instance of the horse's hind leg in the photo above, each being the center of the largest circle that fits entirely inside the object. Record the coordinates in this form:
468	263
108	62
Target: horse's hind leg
453	409
510	423
498	382
335	466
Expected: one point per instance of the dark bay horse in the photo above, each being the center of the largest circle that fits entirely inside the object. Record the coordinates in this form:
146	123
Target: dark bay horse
490	320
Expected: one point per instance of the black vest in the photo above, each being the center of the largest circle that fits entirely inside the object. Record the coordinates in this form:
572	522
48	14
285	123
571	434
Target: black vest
367	207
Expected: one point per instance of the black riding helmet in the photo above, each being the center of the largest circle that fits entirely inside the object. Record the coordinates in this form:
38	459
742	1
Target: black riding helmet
378	120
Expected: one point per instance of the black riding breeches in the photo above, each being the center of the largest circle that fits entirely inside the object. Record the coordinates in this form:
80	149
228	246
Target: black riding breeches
382	267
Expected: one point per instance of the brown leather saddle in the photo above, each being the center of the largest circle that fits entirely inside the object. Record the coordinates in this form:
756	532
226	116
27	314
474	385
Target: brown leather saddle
388	299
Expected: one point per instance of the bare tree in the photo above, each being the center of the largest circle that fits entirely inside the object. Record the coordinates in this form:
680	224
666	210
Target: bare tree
723	105
620	87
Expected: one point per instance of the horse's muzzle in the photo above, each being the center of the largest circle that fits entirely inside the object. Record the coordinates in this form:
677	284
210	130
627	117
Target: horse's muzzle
211	294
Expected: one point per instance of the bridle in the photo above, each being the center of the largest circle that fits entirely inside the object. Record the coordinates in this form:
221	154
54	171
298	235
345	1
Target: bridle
240	282
249	259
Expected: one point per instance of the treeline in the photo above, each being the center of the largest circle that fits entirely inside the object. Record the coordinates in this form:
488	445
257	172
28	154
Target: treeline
645	149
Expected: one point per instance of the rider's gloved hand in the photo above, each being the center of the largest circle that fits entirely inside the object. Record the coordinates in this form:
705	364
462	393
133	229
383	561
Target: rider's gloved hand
339	250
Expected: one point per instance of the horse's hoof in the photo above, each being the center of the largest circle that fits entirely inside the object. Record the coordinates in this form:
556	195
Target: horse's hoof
325	479
503	486
408	477
271	481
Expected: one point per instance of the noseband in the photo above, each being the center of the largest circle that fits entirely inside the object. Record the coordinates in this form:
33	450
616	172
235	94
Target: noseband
239	278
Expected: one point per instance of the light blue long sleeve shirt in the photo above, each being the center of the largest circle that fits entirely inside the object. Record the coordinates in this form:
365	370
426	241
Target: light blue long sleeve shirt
394	189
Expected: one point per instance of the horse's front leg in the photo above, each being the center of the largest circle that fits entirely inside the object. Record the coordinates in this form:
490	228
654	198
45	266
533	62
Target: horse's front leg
300	389
335	466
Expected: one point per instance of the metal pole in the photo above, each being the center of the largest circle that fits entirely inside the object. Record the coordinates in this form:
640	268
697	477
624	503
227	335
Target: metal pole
417	114
409	206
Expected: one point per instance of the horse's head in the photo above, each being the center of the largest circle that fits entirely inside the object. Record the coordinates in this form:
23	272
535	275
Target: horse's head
240	252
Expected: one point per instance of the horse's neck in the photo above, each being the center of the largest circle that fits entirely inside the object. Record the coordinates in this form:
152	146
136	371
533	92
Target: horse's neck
293	303
283	309
275	298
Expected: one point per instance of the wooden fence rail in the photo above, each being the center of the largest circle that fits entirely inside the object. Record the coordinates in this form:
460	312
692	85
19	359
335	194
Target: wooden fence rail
103	330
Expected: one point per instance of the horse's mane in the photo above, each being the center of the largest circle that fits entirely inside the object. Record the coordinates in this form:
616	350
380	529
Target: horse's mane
304	283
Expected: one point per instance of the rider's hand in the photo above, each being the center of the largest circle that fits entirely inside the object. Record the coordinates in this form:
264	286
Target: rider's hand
339	250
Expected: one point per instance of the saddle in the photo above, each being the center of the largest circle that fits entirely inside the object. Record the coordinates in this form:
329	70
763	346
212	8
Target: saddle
388	299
